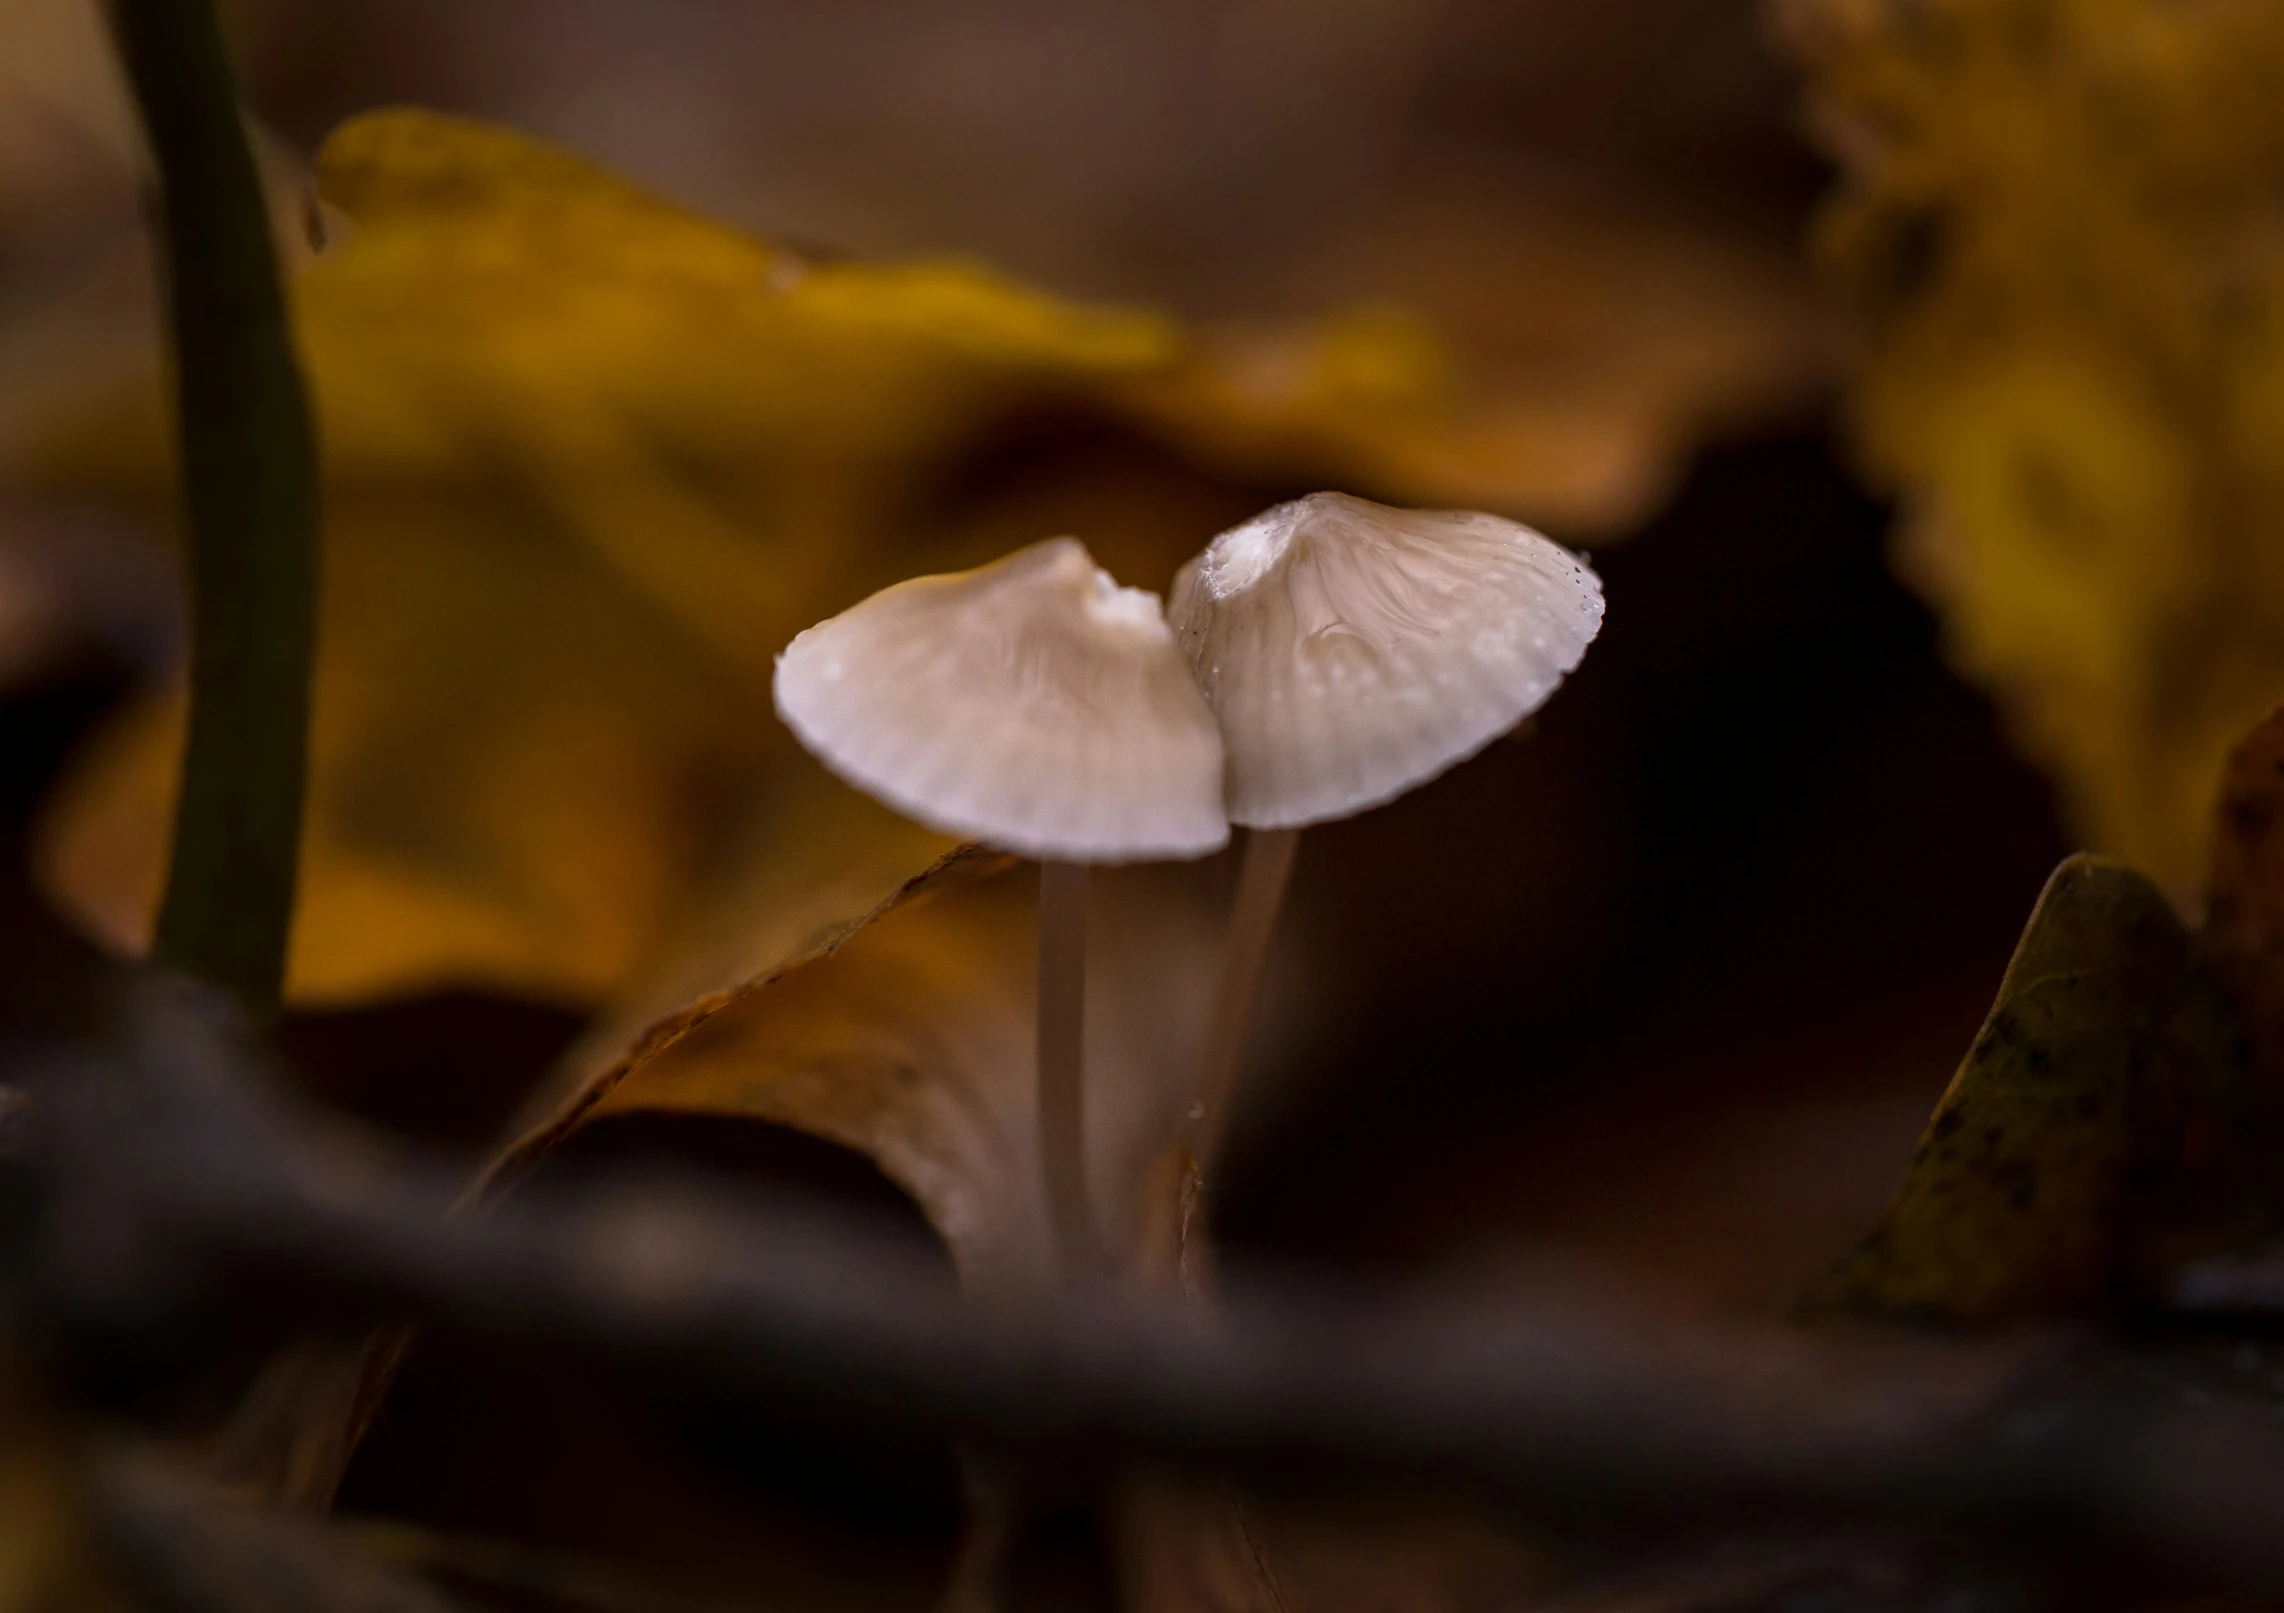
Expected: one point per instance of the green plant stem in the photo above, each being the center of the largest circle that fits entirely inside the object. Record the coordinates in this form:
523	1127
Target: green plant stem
250	485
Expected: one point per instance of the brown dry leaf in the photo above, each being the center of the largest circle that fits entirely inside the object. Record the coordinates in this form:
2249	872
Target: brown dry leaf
867	981
2074	1086
892	1010
818	863
888	1007
909	1037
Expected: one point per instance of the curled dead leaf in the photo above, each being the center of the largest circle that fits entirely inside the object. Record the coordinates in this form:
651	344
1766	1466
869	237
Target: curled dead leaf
910	1038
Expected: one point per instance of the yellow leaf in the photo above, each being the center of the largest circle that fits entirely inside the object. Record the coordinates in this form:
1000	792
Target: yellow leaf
1558	367
513	777
2058	228
592	460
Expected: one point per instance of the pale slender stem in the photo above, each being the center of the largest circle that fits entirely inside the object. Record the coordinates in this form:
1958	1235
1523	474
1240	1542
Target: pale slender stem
1062	1065
1260	893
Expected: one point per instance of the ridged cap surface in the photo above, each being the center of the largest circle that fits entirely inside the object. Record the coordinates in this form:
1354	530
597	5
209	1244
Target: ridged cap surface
1032	703
1351	651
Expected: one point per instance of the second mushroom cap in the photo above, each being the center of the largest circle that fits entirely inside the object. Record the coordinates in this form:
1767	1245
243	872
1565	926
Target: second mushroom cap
1351	650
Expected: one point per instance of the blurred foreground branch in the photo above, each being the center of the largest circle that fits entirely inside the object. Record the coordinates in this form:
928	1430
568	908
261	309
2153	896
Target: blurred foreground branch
187	1548
164	1166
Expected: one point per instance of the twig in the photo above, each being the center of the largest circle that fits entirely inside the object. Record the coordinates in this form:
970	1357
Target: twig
187	1548
170	1163
508	1565
250	480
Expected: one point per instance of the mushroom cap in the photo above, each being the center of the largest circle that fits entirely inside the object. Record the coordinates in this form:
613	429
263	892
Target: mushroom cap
1351	650
1032	703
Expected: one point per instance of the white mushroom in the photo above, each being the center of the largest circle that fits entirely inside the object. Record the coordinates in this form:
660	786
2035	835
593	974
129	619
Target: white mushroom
1036	705
1351	651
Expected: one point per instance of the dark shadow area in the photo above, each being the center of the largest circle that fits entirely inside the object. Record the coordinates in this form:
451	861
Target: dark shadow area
47	985
766	1505
448	1068
1755	871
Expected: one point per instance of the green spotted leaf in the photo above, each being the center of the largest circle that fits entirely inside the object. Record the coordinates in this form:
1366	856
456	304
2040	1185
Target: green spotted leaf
2072	1097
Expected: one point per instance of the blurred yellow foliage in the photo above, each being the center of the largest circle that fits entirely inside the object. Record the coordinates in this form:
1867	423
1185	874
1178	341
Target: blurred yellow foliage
512	773
2062	231
590	461
1371	396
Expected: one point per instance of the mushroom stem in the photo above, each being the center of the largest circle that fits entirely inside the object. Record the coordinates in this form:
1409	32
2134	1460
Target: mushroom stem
1261	885
1062	1027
